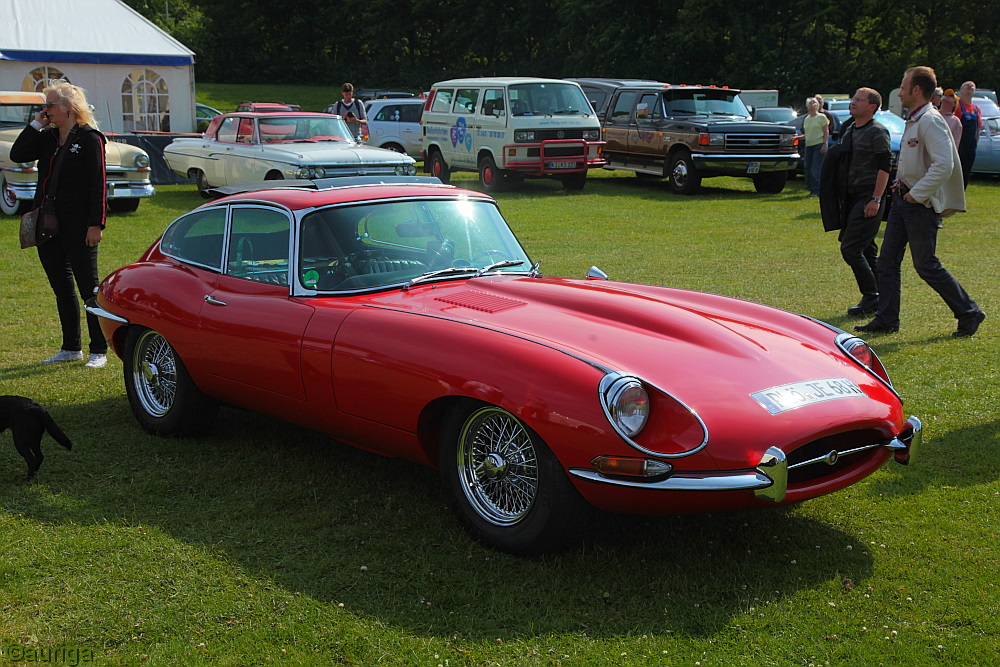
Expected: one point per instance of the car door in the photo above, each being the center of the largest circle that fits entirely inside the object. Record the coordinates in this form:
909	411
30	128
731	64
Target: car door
645	135
462	134
243	158
988	150
491	123
221	151
617	125
249	327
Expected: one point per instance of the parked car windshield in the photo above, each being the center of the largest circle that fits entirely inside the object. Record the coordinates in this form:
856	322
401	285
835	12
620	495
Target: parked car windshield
302	128
548	99
704	102
18	115
368	246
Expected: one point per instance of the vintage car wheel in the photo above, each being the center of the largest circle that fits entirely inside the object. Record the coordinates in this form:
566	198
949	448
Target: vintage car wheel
684	176
123	205
164	399
395	148
770	183
439	168
9	204
200	179
506	487
490	178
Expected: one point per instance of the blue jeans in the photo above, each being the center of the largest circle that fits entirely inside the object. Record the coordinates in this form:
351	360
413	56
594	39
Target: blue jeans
812	166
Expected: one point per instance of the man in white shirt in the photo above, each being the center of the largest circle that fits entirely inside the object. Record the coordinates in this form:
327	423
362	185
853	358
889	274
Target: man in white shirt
929	185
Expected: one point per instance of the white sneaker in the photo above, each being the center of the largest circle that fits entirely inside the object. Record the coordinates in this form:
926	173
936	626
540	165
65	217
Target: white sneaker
62	356
97	361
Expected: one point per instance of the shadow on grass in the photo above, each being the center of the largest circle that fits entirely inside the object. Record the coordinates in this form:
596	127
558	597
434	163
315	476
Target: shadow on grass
290	506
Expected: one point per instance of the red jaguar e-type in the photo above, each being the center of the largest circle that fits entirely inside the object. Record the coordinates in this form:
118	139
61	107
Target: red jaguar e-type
404	317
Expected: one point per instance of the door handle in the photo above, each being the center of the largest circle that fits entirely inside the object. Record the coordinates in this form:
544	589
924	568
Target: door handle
215	302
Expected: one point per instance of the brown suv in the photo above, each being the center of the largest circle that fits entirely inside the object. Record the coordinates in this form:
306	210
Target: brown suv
687	133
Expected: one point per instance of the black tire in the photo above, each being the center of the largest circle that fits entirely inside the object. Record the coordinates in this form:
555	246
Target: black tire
574	182
9	204
123	205
684	176
507	489
771	182
490	178
201	180
395	148
439	168
164	399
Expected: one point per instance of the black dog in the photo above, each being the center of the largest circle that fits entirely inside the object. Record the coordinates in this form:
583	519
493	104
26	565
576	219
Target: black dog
27	421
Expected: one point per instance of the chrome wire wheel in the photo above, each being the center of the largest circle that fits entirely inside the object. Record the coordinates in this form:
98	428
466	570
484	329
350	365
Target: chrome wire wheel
154	374
497	466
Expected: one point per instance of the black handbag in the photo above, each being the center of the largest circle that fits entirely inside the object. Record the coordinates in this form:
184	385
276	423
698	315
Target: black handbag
41	224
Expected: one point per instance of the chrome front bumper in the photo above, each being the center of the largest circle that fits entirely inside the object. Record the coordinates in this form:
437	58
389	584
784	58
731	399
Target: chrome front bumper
769	480
116	189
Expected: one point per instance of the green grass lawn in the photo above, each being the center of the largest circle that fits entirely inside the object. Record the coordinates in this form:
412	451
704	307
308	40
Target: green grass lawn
262	543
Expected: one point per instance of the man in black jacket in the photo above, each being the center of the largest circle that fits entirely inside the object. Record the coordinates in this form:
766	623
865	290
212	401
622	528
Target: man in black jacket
864	171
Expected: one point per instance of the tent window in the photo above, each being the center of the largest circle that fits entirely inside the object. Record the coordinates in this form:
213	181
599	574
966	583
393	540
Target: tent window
39	78
145	102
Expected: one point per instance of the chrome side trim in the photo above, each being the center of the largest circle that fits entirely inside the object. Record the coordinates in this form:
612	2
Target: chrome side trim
92	308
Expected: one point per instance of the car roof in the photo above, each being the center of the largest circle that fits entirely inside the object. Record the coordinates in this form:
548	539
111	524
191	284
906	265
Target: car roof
271	114
18	97
497	81
304	194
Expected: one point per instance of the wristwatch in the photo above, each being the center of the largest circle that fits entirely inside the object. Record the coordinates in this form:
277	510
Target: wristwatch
877	200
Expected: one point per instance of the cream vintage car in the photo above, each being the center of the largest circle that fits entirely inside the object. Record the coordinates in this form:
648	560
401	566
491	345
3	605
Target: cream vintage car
127	167
245	147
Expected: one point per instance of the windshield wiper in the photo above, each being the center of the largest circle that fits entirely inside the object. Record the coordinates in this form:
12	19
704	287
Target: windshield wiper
499	265
440	272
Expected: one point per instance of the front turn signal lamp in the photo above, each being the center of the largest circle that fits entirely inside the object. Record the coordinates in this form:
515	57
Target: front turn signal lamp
620	466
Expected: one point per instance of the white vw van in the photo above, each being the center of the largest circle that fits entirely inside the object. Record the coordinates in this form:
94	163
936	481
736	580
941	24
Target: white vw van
509	128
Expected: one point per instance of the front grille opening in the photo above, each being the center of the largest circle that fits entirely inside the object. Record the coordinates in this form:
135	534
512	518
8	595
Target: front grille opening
840	442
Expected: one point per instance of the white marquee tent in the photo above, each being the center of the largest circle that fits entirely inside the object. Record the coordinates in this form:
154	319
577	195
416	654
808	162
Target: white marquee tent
136	76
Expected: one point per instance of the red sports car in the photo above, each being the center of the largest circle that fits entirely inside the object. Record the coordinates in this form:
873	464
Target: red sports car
404	317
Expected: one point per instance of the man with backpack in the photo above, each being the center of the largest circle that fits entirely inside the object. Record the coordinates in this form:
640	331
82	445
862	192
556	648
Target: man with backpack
351	110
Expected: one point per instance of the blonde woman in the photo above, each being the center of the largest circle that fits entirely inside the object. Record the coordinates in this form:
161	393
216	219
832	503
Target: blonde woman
66	124
816	129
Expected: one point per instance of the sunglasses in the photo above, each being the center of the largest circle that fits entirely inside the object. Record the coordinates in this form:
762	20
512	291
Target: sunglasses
49	105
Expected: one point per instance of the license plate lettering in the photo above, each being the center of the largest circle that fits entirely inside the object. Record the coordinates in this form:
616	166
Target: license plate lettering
800	394
562	165
753	168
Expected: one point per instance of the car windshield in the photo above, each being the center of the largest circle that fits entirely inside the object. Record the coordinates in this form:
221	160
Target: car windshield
548	99
704	102
18	115
302	128
383	244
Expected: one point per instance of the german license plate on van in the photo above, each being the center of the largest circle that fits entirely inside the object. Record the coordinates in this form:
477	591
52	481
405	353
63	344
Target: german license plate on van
753	168
562	165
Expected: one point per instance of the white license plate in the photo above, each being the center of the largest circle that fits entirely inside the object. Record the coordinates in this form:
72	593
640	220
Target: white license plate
562	165
800	394
753	168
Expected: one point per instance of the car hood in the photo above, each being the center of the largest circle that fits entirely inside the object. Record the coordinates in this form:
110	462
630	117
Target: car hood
736	124
666	336
328	151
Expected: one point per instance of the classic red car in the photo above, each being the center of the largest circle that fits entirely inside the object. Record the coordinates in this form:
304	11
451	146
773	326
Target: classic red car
404	317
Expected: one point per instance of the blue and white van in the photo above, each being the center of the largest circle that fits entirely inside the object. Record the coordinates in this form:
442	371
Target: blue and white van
510	128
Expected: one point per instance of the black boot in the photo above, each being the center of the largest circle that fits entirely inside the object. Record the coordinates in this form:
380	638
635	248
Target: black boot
867	306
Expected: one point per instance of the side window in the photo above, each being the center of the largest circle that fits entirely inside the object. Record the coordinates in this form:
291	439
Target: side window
442	100
197	238
624	105
258	245
386	113
465	100
493	102
993	126
648	108
227	130
245	135
410	113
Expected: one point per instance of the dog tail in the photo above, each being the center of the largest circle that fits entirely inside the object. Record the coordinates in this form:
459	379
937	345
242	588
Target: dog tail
55	431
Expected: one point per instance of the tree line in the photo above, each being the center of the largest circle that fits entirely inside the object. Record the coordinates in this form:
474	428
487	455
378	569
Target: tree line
796	46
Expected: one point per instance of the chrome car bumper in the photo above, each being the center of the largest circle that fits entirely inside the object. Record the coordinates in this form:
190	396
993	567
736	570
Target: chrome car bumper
94	309
740	164
116	189
769	480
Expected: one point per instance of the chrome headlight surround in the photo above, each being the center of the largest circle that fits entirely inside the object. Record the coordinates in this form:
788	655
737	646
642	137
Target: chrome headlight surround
407	169
625	402
862	354
141	160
